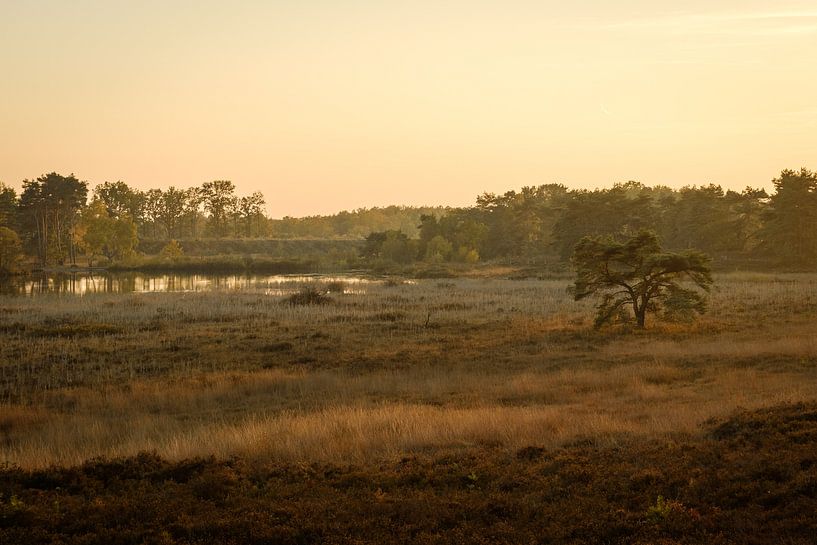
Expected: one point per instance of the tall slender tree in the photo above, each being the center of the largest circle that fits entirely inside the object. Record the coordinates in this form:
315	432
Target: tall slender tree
49	209
219	197
251	209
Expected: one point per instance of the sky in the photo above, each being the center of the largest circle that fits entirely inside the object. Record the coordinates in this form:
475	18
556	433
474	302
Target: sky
331	105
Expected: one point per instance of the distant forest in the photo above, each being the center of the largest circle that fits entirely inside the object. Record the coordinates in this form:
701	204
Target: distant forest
56	219
750	228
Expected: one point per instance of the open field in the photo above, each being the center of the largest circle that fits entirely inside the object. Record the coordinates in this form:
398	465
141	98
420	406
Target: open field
476	410
384	371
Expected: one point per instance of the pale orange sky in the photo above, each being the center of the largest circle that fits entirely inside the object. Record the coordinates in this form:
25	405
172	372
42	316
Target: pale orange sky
331	105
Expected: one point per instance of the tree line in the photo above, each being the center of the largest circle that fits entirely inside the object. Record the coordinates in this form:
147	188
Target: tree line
56	219
355	224
747	228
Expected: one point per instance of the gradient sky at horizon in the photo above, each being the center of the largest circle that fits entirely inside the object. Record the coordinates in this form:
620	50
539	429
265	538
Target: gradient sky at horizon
331	105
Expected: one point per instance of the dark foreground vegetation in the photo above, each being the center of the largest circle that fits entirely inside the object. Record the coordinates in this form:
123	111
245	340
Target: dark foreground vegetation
749	479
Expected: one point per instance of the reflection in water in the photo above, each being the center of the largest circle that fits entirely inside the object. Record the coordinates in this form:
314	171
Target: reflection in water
84	283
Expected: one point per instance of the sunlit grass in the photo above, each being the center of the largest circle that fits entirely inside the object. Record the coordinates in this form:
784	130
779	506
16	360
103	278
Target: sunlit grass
401	368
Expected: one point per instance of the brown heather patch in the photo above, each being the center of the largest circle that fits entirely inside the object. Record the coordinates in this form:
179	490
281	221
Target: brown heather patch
748	479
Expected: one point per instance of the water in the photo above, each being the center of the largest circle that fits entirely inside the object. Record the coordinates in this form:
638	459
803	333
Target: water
104	282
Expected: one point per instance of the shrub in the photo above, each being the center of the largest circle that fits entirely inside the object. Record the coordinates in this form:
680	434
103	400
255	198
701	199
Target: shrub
172	249
308	295
336	286
11	251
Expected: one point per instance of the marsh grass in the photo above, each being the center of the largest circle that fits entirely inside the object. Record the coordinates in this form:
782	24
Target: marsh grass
398	369
309	295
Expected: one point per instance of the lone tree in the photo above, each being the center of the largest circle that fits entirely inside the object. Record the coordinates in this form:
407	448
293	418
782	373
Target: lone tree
638	274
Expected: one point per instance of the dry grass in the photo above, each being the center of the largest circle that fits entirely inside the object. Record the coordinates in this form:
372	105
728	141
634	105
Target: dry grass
327	416
407	368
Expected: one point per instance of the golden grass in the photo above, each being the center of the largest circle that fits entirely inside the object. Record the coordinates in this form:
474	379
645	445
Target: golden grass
432	365
328	416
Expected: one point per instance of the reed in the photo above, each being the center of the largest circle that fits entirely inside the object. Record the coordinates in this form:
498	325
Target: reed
386	368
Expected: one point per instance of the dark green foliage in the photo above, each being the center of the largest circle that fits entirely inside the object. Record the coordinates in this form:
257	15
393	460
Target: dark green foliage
456	236
49	209
543	224
534	226
748	480
520	224
391	246
8	207
790	223
699	217
625	207
11	251
638	274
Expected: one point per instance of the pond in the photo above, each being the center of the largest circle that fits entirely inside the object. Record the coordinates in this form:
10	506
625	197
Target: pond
81	283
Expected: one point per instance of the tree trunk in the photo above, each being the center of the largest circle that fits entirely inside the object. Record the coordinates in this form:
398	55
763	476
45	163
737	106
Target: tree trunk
44	239
641	312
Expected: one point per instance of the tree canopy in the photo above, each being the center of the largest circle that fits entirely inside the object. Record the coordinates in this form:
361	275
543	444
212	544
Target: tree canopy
534	225
10	251
789	229
49	209
100	234
637	274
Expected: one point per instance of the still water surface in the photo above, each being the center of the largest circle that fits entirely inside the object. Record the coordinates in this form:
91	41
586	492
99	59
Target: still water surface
105	282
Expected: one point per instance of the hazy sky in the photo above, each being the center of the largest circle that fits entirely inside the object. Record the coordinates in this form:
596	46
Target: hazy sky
330	105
